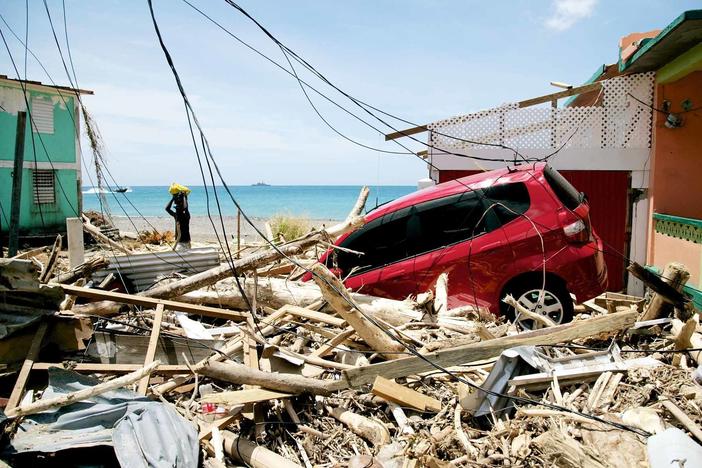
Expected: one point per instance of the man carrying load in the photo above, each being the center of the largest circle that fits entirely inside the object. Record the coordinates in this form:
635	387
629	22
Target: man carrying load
181	215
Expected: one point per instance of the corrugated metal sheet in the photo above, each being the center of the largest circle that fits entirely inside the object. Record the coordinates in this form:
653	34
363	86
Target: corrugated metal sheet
608	193
142	270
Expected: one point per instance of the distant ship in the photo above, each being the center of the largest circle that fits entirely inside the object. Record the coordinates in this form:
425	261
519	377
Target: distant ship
122	189
260	184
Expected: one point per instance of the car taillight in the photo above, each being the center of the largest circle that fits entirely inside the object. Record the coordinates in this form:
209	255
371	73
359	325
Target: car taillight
576	225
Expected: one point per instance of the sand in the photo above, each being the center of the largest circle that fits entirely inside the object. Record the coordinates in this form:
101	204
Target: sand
201	228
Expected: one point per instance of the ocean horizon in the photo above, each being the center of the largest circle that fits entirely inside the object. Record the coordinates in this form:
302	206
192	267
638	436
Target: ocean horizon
310	201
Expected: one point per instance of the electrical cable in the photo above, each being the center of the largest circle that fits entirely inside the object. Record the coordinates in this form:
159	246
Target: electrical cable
412	349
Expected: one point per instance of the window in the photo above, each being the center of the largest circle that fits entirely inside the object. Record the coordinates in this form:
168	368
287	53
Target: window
382	241
439	223
42	115
513	200
44	190
565	192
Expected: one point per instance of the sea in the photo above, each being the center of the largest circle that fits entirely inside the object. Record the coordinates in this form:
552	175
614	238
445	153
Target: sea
309	201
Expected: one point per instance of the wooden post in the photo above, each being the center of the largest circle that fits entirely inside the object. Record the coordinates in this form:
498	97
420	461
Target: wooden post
13	243
238	233
151	350
76	249
32	356
676	275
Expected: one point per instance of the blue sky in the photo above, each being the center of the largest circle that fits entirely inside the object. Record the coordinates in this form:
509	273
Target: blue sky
422	60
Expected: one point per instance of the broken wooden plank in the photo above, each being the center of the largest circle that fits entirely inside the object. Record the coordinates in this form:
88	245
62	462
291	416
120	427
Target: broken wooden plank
335	293
328	347
151	350
144	301
80	395
51	262
241	397
404	396
32	355
99	368
484	350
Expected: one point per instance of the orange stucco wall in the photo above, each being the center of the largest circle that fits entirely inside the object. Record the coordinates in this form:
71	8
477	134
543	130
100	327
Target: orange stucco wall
676	172
676	169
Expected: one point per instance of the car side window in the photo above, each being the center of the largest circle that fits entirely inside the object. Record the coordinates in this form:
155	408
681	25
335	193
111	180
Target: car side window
439	223
382	241
509	200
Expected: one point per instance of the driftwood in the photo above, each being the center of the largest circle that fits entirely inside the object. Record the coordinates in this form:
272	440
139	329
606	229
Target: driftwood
288	383
80	395
102	238
335	293
83	270
373	431
245	451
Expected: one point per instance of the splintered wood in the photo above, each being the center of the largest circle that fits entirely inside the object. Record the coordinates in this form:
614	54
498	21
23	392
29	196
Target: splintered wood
279	372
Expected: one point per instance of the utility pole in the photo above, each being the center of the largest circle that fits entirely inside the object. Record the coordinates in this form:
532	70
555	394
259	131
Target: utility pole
13	243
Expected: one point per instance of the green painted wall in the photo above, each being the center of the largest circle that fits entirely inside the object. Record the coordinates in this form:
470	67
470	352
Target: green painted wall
57	148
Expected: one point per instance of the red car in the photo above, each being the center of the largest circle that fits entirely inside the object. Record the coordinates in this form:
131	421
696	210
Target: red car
492	232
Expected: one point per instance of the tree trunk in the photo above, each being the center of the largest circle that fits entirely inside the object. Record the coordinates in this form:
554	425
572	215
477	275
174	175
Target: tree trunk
288	383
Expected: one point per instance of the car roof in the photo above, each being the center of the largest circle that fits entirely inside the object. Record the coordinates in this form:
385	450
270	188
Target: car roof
486	179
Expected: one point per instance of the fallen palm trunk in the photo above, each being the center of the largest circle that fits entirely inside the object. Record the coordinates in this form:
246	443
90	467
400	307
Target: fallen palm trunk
244	451
277	292
288	383
484	350
335	293
64	400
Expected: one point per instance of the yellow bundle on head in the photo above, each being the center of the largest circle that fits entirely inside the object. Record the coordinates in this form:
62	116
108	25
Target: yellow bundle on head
177	188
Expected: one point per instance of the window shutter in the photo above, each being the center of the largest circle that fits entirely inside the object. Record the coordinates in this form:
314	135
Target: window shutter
42	115
44	190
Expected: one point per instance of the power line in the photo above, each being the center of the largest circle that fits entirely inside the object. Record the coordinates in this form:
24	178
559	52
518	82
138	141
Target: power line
410	348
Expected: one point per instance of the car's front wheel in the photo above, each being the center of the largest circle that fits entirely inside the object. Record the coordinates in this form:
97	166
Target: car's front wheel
554	302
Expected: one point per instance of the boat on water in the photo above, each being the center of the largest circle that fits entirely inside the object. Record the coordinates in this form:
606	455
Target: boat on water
260	184
122	189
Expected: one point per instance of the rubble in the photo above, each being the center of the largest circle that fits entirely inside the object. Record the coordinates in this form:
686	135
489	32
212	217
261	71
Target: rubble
314	375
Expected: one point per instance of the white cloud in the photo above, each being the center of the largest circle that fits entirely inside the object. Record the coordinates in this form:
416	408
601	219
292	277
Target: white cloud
569	12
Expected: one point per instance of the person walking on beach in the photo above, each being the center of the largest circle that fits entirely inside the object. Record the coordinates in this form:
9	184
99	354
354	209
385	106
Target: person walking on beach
181	215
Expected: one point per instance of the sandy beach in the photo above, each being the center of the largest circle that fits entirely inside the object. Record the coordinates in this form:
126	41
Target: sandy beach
201	227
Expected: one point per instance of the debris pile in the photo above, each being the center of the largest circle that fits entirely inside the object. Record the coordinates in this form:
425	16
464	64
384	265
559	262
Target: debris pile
241	364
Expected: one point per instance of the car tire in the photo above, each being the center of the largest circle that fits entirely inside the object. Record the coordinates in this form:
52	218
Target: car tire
557	302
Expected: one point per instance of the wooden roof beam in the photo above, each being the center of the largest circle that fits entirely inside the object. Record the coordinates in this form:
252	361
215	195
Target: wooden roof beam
526	103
